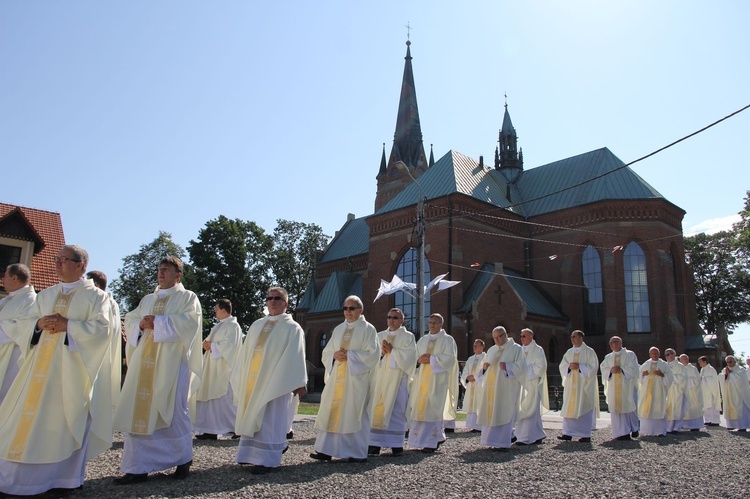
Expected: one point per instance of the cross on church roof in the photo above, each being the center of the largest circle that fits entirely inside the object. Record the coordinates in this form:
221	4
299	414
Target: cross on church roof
408	29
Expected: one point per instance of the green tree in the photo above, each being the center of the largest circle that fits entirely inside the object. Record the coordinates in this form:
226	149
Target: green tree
230	259
722	283
296	247
742	230
138	272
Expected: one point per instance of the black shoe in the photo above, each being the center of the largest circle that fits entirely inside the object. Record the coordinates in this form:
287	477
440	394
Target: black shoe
285	449
429	450
207	436
518	443
397	451
235	436
439	444
320	456
540	441
499	449
373	450
182	471
60	491
476	431
257	469
635	434
585	440
129	478
623	437
450	430
290	435
513	440
357	460
564	437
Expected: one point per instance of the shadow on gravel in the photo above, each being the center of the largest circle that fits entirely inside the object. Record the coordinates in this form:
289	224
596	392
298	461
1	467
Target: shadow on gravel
662	441
573	446
622	444
487	456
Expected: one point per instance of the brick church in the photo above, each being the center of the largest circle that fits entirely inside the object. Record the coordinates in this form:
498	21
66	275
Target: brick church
580	243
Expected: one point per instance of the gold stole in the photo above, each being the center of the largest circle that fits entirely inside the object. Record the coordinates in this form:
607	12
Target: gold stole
40	372
732	412
145	394
575	380
257	358
378	413
339	387
649	398
473	387
491	381
425	381
618	380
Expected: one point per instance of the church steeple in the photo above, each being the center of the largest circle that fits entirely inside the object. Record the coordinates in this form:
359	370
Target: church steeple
407	140
508	158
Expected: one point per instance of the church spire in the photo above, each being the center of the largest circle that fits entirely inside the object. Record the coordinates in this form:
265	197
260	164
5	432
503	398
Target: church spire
507	157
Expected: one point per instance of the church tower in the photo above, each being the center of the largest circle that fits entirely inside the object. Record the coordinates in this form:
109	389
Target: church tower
407	142
508	158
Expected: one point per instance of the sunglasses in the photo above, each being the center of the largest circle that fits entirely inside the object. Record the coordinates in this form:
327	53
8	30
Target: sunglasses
350	308
274	298
394	317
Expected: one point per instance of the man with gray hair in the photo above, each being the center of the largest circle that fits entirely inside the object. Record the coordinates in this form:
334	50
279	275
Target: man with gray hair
620	377
534	394
578	369
735	394
655	379
14	340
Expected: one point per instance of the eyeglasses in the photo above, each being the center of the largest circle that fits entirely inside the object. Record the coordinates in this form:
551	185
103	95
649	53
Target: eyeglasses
394	317
274	298
349	308
63	259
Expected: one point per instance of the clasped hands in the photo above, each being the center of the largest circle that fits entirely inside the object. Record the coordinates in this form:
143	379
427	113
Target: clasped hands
340	355
147	322
53	323
385	348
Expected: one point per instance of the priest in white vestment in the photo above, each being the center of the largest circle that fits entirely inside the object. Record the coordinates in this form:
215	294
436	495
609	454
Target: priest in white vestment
434	392
693	416
620	374
676	395
394	373
534	393
164	371
114	377
735	394
503	372
269	372
578	369
350	359
54	419
710	392
215	412
472	369
14	340
655	380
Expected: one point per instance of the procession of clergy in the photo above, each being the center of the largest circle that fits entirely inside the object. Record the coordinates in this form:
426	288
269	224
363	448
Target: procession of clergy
61	395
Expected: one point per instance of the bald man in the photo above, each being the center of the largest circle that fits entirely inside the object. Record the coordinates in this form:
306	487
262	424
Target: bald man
619	375
580	389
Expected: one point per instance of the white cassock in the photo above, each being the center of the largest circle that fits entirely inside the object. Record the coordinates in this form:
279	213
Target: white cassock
652	397
621	391
14	340
434	392
500	390
343	420
71	419
270	365
735	394
390	399
580	391
164	371
676	397
534	393
215	411
115	351
472	367
693	416
711	395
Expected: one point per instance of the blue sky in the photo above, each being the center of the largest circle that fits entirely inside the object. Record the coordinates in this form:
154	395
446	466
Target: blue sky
139	116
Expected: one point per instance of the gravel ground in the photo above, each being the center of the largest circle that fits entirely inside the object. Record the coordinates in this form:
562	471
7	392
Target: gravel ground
709	463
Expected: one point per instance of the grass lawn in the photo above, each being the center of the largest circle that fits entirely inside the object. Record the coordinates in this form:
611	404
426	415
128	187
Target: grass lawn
311	409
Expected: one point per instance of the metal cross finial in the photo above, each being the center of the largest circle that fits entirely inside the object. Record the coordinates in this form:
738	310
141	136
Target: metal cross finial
408	29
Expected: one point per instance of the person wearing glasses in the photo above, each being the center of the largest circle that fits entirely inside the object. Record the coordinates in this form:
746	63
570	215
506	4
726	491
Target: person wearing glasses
14	339
578	369
350	359
654	381
503	372
270	370
215	412
434	392
735	395
472	370
620	370
398	361
710	392
164	372
676	395
534	393
53	420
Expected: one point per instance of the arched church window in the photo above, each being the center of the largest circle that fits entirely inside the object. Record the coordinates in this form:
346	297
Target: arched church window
593	294
636	289
407	271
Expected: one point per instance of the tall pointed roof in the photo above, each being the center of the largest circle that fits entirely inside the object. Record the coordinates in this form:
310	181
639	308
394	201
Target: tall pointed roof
407	141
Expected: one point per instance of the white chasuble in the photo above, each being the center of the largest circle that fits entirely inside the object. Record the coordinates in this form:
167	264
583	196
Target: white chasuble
45	413
693	396
735	392
226	340
348	383
676	393
270	364
500	388
620	388
580	388
653	389
472	367
147	399
710	388
534	387
400	363
14	339
434	392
